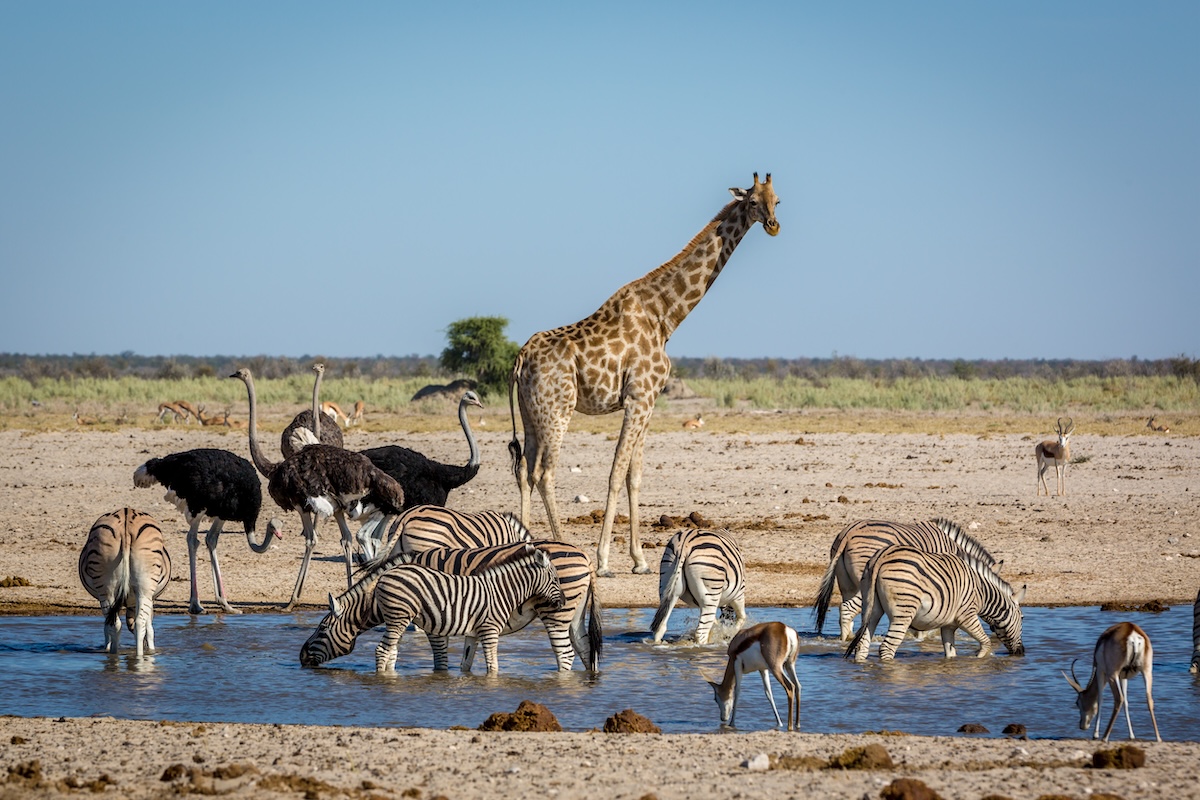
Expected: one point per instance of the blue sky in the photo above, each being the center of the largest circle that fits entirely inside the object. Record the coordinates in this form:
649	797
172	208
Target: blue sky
958	180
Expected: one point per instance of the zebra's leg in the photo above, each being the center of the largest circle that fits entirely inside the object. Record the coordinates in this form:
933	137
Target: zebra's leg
470	644
389	644
666	605
310	542
489	641
210	541
850	607
948	632
897	627
440	645
559	632
709	599
193	543
870	619
766	679
739	613
112	632
975	630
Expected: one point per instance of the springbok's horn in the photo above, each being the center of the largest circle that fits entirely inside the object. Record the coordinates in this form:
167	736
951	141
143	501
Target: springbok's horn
1071	679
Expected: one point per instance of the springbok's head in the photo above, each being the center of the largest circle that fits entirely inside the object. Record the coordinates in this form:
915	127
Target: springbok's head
760	200
1087	702
1064	430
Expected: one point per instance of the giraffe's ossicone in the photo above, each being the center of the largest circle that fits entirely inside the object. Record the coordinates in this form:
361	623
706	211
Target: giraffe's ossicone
616	359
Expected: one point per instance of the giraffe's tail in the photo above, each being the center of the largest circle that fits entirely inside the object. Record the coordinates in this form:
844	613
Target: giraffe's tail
514	447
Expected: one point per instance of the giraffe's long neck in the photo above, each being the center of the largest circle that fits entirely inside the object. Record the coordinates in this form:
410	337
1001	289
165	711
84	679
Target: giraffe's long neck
675	288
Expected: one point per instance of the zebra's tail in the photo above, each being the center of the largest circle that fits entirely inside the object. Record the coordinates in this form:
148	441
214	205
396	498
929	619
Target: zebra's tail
670	575
595	628
825	593
867	587
119	582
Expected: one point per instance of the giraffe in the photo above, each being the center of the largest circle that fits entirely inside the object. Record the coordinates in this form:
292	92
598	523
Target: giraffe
616	359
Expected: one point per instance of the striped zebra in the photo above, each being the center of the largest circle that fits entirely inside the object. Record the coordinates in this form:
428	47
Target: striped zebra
429	527
445	605
1195	667
858	541
125	565
356	611
925	591
703	569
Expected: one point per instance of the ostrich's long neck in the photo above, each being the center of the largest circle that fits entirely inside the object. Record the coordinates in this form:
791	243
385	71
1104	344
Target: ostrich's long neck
317	404
261	547
264	465
473	459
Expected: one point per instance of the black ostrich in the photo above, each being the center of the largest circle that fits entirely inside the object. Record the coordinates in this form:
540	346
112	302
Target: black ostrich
210	484
425	481
322	480
305	428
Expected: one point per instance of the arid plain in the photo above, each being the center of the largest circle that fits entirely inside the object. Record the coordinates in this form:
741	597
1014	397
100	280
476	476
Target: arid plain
783	483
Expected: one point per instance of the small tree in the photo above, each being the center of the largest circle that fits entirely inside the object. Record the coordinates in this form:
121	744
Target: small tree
478	347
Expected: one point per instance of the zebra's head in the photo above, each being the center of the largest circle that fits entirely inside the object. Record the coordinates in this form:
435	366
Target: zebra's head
547	586
1008	627
331	639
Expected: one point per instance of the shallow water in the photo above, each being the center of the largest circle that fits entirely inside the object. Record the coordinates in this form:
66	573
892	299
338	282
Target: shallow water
245	669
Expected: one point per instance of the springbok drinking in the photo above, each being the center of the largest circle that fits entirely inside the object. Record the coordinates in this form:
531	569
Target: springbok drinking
1121	652
768	648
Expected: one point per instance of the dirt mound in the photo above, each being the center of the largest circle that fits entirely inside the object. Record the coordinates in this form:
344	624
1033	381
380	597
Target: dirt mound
529	716
908	789
629	721
872	756
1153	607
1127	756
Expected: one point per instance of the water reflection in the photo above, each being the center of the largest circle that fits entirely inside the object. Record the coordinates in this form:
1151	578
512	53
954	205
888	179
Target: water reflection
245	669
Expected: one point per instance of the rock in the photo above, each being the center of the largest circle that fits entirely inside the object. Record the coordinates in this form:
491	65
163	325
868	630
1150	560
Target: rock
529	716
759	763
1153	607
908	789
629	721
873	756
802	763
1127	756
1015	729
581	498
973	727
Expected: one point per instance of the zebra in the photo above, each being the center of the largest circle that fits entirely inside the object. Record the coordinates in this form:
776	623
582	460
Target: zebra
703	569
125	565
445	605
356	610
427	527
858	541
935	590
1195	667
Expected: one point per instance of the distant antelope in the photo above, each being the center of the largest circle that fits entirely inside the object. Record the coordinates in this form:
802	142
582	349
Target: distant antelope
215	419
85	420
768	648
357	414
1056	452
1150	424
332	410
694	424
1121	652
171	408
190	410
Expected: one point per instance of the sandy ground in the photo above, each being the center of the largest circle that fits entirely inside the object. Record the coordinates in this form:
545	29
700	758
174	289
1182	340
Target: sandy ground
1127	531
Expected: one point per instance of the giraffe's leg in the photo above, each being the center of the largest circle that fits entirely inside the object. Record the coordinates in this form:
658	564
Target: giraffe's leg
637	416
211	540
310	542
193	543
633	485
542	471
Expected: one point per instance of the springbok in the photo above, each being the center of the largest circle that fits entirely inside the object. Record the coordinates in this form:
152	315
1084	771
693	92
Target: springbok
191	410
1056	452
694	424
171	408
334	411
1150	424
1121	652
357	414
768	648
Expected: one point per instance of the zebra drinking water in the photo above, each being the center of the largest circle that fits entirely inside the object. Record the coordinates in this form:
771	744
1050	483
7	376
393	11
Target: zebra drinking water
858	541
703	569
935	590
357	610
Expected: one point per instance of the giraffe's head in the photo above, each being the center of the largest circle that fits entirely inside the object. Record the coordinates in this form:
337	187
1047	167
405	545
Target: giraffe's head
760	200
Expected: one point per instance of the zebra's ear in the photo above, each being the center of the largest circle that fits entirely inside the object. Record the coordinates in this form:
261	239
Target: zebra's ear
333	605
1019	595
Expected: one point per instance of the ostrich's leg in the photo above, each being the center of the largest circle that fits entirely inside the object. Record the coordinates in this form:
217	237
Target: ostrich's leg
310	542
347	544
193	543
211	540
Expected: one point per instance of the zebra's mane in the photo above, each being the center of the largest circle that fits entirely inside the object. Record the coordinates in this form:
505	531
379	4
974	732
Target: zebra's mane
374	567
985	571
966	541
517	527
